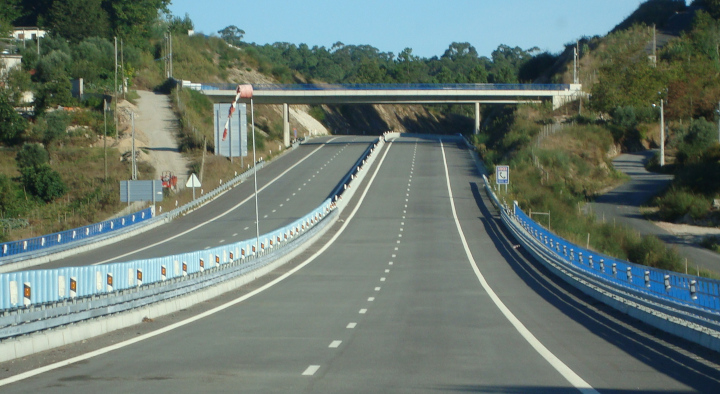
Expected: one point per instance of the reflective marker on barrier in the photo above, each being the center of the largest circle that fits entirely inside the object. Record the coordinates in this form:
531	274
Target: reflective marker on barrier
163	273
139	277
231	257
184	268
26	294
217	260
693	289
109	283
202	265
73	287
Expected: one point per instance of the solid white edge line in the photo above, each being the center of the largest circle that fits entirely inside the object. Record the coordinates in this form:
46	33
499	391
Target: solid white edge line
556	363
234	207
86	356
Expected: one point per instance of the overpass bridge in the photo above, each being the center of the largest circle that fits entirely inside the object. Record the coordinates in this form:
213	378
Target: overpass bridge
477	94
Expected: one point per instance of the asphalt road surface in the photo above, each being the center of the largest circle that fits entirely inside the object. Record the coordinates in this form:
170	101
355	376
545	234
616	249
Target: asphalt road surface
623	203
394	301
290	187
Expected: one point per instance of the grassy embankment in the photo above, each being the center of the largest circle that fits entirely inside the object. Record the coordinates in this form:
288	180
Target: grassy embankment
559	174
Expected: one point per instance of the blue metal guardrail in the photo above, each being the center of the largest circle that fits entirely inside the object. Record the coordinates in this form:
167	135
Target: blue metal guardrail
26	288
392	86
67	237
687	290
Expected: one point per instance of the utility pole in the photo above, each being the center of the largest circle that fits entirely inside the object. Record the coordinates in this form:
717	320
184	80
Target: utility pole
718	113
662	133
122	67
654	52
115	91
575	61
105	135
134	167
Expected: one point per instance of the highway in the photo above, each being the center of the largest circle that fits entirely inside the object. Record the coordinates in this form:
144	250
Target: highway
290	187
415	289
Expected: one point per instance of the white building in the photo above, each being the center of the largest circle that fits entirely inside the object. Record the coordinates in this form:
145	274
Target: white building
28	33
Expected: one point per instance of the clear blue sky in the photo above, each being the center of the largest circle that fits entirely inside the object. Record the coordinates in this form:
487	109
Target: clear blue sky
426	26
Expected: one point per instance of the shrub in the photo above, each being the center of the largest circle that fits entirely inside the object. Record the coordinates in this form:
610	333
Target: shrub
43	182
676	203
31	155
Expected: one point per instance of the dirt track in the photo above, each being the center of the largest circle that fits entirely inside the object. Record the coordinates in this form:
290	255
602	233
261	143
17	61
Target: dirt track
159	125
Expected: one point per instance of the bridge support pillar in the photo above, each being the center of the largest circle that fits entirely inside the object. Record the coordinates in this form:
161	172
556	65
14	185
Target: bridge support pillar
477	119
286	125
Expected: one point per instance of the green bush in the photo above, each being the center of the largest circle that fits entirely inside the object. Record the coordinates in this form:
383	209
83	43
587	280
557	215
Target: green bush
57	124
676	203
31	155
43	182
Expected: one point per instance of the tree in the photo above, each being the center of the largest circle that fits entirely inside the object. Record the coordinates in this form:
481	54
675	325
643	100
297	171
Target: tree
9	11
43	182
32	155
132	19
12	125
65	17
232	35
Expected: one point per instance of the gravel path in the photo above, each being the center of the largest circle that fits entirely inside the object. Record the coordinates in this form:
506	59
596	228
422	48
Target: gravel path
622	204
159	125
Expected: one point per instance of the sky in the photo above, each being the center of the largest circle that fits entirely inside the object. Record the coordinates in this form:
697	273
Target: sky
426	26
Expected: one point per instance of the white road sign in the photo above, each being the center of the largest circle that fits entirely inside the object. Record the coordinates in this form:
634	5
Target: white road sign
193	181
502	175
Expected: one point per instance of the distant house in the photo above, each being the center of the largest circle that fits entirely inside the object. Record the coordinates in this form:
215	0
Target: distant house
28	33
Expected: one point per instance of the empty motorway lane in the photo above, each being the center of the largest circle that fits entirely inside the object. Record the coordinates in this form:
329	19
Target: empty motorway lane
415	289
289	188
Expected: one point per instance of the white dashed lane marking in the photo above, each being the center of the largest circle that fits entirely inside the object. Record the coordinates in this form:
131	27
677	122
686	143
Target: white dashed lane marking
362	311
310	371
335	344
377	289
351	325
371	299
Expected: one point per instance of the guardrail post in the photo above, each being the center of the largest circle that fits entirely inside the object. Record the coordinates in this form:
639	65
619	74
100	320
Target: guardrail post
667	282
590	262
629	274
98	281
580	257
647	278
614	270
61	286
602	265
